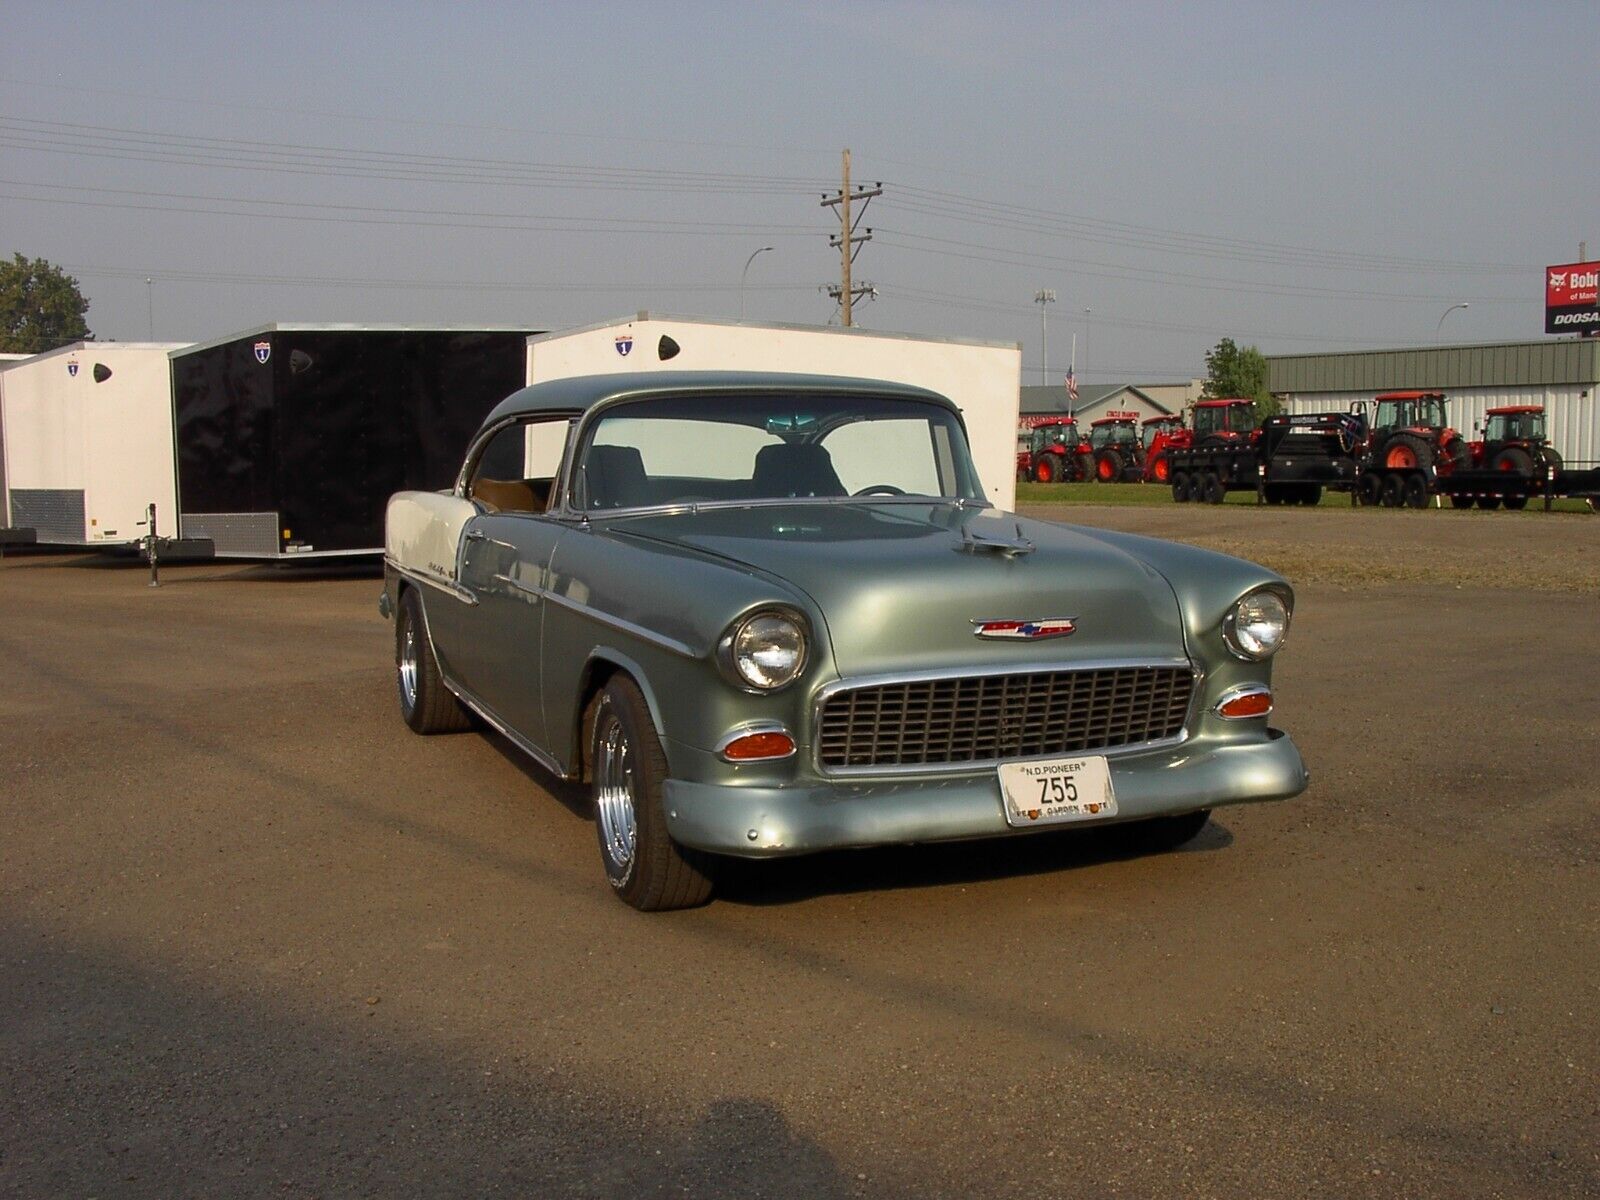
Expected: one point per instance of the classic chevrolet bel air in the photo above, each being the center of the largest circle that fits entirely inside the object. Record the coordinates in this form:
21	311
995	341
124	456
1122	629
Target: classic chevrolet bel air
772	614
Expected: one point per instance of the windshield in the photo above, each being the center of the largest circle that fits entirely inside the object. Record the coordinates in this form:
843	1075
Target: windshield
1515	427
1112	435
1402	414
1223	418
794	446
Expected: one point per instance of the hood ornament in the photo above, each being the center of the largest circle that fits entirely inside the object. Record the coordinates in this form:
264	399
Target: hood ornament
972	543
1037	630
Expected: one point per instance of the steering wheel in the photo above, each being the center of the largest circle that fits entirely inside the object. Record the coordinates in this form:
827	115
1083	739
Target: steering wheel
880	489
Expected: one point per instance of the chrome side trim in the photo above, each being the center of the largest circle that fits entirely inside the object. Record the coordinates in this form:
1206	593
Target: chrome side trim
447	586
1238	693
623	626
978	766
750	727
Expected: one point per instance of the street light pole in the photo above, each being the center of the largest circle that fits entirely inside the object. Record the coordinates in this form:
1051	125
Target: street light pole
1447	312
1044	297
745	272
1086	313
150	305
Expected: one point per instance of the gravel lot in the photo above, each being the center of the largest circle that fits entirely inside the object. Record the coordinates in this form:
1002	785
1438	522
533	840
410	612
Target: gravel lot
256	938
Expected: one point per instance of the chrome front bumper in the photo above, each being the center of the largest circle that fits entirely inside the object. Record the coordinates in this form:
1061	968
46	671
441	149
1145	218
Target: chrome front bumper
767	822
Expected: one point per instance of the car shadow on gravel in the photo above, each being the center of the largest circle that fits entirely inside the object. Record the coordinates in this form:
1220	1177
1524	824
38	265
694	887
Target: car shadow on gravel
939	864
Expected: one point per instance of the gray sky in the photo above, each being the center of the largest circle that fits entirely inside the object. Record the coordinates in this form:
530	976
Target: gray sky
1301	180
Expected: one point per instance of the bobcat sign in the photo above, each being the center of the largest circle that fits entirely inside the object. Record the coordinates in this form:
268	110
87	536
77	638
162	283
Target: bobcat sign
1572	298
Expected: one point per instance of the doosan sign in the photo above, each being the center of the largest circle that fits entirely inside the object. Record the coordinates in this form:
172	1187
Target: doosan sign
1572	298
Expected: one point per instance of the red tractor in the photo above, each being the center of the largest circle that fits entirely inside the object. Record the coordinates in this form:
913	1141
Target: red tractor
1118	452
1053	451
1411	446
1514	439
1163	434
1221	422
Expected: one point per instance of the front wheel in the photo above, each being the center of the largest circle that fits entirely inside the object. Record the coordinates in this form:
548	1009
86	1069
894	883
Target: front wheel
645	867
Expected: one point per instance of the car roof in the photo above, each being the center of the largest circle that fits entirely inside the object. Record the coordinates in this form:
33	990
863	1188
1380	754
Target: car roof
1510	410
1410	396
1221	403
582	392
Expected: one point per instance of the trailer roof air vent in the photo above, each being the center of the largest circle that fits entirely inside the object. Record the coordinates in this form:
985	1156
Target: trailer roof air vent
101	372
667	348
300	362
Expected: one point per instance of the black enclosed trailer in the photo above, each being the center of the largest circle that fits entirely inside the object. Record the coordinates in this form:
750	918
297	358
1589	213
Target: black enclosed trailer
290	439
1289	461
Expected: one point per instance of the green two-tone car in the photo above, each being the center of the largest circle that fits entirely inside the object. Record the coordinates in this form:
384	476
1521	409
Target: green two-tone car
773	614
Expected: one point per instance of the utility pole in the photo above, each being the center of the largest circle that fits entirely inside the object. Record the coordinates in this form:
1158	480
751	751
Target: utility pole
849	241
1043	298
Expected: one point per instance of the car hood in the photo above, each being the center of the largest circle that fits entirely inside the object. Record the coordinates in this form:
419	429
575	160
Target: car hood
900	586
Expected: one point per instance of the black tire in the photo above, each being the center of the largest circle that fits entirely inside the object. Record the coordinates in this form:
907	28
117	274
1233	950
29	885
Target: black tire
1274	493
1310	494
1415	490
1045	470
1369	488
653	873
1212	489
1085	463
1459	454
1515	503
1407	445
1488	503
426	705
1514	460
1460	501
1551	457
1168	833
1180	487
1108	466
1393	491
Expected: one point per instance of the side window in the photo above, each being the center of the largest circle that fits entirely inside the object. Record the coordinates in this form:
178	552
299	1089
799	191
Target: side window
515	470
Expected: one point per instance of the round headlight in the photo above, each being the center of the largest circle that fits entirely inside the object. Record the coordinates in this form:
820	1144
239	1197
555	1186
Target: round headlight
1257	625
768	650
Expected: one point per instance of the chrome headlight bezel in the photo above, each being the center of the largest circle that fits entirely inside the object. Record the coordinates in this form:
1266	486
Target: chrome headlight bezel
1239	628
734	658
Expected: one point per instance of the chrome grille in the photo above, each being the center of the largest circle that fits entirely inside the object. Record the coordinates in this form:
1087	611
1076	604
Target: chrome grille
989	718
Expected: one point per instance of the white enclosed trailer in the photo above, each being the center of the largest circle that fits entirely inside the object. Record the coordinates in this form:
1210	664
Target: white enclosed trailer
983	378
87	442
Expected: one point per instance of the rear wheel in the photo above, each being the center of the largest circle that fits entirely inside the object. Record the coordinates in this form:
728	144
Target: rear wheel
1161	469
1212	489
1108	466
1407	452
645	867
1045	469
426	705
1180	487
1311	494
1460	501
1514	460
1085	463
1515	503
1416	490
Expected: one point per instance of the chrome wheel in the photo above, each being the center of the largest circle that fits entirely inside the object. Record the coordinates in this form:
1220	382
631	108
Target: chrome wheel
614	796
406	660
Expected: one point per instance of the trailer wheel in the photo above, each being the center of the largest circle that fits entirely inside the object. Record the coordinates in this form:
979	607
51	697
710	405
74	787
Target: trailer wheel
426	704
1515	503
1180	487
1460	501
1311	494
1489	503
1369	488
1213	491
1415	489
1392	491
1272	493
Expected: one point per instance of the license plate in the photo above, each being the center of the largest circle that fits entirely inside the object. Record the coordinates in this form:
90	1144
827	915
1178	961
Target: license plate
1056	790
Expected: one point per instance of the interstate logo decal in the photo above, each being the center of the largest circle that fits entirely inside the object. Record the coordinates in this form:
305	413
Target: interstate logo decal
72	369
263	352
625	344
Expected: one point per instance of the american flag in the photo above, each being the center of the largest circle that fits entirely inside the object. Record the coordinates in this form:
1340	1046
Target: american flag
1072	386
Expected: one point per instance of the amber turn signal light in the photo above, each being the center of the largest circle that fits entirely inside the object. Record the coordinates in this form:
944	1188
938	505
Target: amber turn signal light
753	746
1255	703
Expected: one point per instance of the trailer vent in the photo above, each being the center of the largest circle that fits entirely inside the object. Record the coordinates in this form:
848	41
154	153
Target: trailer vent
55	514
241	535
981	719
